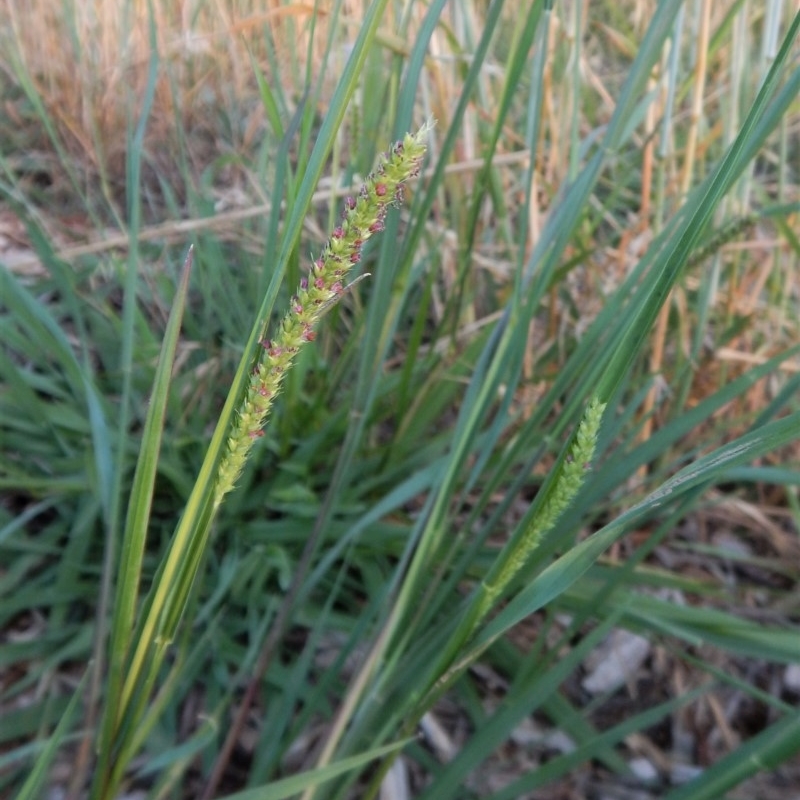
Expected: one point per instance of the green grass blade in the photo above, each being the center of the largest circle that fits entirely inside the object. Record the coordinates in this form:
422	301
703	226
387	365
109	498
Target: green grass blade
139	510
765	751
278	790
35	784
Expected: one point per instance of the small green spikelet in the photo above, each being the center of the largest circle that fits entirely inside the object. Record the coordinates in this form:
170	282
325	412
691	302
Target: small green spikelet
568	484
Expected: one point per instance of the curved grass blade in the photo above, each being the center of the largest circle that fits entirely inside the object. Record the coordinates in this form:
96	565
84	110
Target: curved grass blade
140	504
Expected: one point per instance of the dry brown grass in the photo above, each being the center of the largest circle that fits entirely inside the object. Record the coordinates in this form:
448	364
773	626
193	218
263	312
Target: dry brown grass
89	65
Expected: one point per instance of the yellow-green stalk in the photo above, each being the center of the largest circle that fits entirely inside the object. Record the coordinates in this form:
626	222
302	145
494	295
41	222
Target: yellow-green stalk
363	216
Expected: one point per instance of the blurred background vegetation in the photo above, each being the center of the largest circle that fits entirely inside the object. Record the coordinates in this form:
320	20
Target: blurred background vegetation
594	187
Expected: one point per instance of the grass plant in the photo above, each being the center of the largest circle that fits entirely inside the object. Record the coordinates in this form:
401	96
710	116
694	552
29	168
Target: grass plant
563	406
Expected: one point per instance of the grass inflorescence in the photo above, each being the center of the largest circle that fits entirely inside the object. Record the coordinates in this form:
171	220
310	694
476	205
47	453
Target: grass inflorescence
364	215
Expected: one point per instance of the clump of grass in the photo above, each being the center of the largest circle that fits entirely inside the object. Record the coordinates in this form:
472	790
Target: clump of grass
420	506
364	216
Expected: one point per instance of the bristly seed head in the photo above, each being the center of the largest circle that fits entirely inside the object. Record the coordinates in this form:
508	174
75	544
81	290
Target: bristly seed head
364	214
